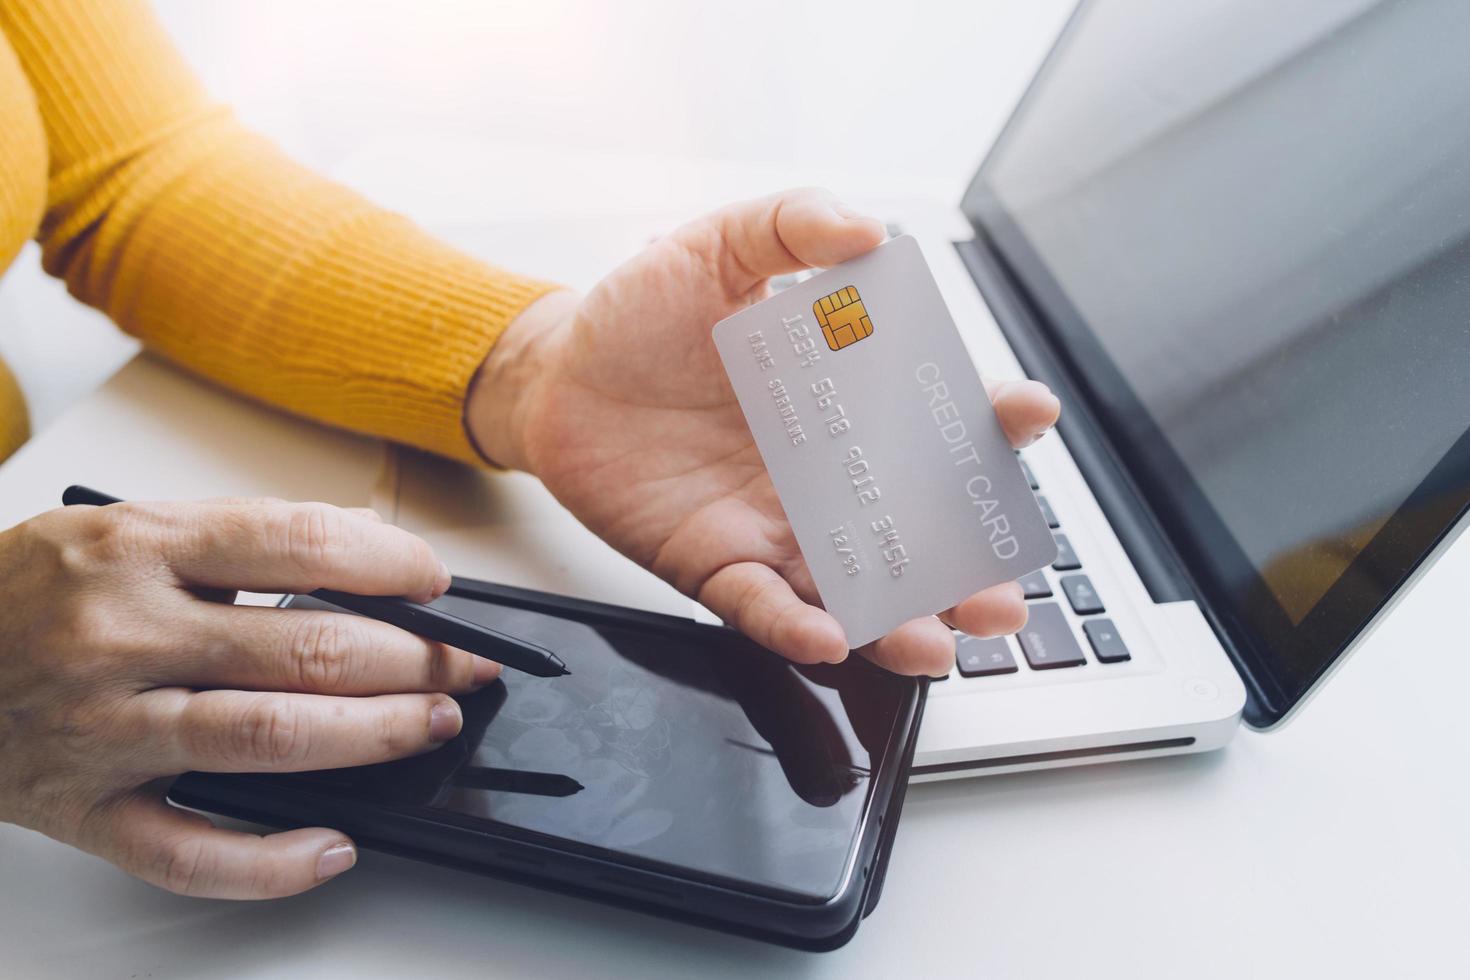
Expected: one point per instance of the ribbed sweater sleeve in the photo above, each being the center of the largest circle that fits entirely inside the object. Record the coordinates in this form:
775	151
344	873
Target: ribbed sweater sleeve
208	244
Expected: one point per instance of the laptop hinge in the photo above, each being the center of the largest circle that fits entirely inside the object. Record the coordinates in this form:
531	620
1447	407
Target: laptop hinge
1158	565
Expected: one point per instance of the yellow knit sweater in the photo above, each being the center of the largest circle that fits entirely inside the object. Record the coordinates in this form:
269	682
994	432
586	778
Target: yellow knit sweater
205	242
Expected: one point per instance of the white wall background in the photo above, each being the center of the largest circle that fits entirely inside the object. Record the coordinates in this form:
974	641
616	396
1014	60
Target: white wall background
461	112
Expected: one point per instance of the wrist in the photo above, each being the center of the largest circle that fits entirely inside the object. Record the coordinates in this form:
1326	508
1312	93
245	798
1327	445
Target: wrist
501	403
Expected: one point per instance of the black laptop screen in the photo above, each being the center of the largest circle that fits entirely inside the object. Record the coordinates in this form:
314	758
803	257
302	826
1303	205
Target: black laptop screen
1249	222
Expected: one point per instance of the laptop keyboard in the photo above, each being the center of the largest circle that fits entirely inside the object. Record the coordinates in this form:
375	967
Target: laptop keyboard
1047	642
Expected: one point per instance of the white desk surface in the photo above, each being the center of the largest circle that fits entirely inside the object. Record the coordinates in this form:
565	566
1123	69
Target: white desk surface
1336	847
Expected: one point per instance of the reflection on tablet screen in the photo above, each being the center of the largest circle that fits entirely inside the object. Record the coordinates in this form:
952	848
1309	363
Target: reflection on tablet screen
719	758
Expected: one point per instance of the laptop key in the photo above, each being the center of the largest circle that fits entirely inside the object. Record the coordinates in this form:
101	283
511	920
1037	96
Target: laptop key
1067	560
1106	642
981	657
1081	595
1047	640
1030	477
1034	585
1047	512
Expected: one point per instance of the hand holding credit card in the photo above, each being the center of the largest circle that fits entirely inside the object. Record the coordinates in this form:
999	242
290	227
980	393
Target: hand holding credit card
619	403
893	469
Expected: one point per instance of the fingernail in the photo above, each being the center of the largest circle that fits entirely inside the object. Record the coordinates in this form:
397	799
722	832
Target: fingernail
335	860
444	721
485	671
1005	386
442	584
851	214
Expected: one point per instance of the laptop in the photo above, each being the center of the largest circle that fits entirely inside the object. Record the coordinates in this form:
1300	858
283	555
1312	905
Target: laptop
1235	239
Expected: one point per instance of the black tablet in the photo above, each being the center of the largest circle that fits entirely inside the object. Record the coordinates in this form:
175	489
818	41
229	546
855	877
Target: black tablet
679	769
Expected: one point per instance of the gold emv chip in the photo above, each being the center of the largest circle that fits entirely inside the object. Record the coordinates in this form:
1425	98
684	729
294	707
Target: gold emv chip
843	318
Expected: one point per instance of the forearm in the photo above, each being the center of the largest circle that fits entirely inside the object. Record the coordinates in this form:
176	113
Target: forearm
283	286
221	254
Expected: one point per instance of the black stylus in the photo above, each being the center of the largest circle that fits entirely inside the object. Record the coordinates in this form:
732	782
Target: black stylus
517	781
426	621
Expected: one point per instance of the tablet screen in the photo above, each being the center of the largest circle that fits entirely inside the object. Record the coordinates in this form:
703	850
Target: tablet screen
707	756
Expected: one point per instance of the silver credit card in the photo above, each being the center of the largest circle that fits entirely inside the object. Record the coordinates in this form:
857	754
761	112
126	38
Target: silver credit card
903	492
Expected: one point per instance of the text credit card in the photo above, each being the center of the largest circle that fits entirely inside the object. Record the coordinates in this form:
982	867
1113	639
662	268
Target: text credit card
903	492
